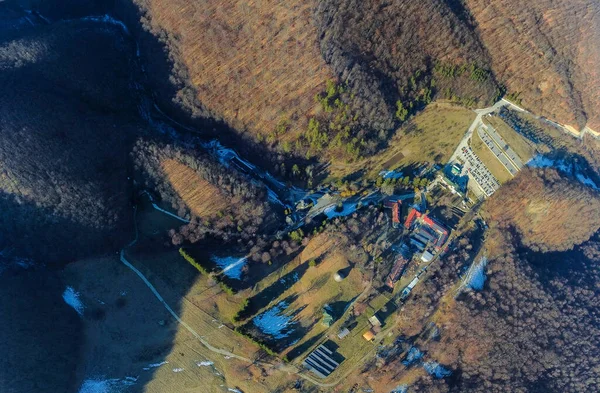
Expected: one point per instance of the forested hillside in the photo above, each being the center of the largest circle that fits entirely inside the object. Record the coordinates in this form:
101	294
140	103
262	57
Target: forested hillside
548	51
67	120
533	328
259	66
262	68
397	56
546	211
251	64
218	201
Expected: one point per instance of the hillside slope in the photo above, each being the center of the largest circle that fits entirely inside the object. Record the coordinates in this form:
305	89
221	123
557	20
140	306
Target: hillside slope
66	123
262	67
249	64
547	211
548	51
258	66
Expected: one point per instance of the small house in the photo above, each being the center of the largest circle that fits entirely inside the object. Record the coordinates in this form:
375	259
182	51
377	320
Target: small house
343	333
327	319
375	321
369	335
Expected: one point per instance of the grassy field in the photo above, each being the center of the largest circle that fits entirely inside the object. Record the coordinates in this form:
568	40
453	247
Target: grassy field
431	136
489	159
524	148
200	196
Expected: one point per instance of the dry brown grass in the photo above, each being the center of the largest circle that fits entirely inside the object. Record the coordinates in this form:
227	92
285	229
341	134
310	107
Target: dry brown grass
200	196
431	136
252	63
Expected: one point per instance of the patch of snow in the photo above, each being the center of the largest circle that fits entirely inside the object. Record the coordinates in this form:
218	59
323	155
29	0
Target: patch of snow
288	280
20	53
234	390
400	389
587	181
273	197
204	363
540	161
475	278
108	20
390	174
232	266
413	355
274	322
154	365
177	370
347	209
24	263
71	297
226	155
106	385
436	370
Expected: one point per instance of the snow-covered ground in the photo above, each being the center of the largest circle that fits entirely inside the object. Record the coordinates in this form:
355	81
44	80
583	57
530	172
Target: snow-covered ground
400	389
108	20
475	278
232	266
414	354
540	161
71	297
391	174
436	370
347	209
106	385
274	322
155	365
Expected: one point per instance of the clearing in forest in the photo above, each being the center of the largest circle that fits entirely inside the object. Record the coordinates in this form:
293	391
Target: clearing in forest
201	197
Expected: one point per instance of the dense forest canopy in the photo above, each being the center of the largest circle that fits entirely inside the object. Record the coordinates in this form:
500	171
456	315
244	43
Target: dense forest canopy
547	211
548	52
217	200
66	127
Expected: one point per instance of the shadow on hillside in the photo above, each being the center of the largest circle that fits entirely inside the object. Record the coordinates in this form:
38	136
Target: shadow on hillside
83	119
276	289
40	335
177	97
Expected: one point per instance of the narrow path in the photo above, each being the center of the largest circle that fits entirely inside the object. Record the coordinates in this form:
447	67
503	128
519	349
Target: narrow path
155	206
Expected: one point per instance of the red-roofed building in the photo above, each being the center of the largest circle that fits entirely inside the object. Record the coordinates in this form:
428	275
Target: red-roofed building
439	230
412	216
394	275
396	214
